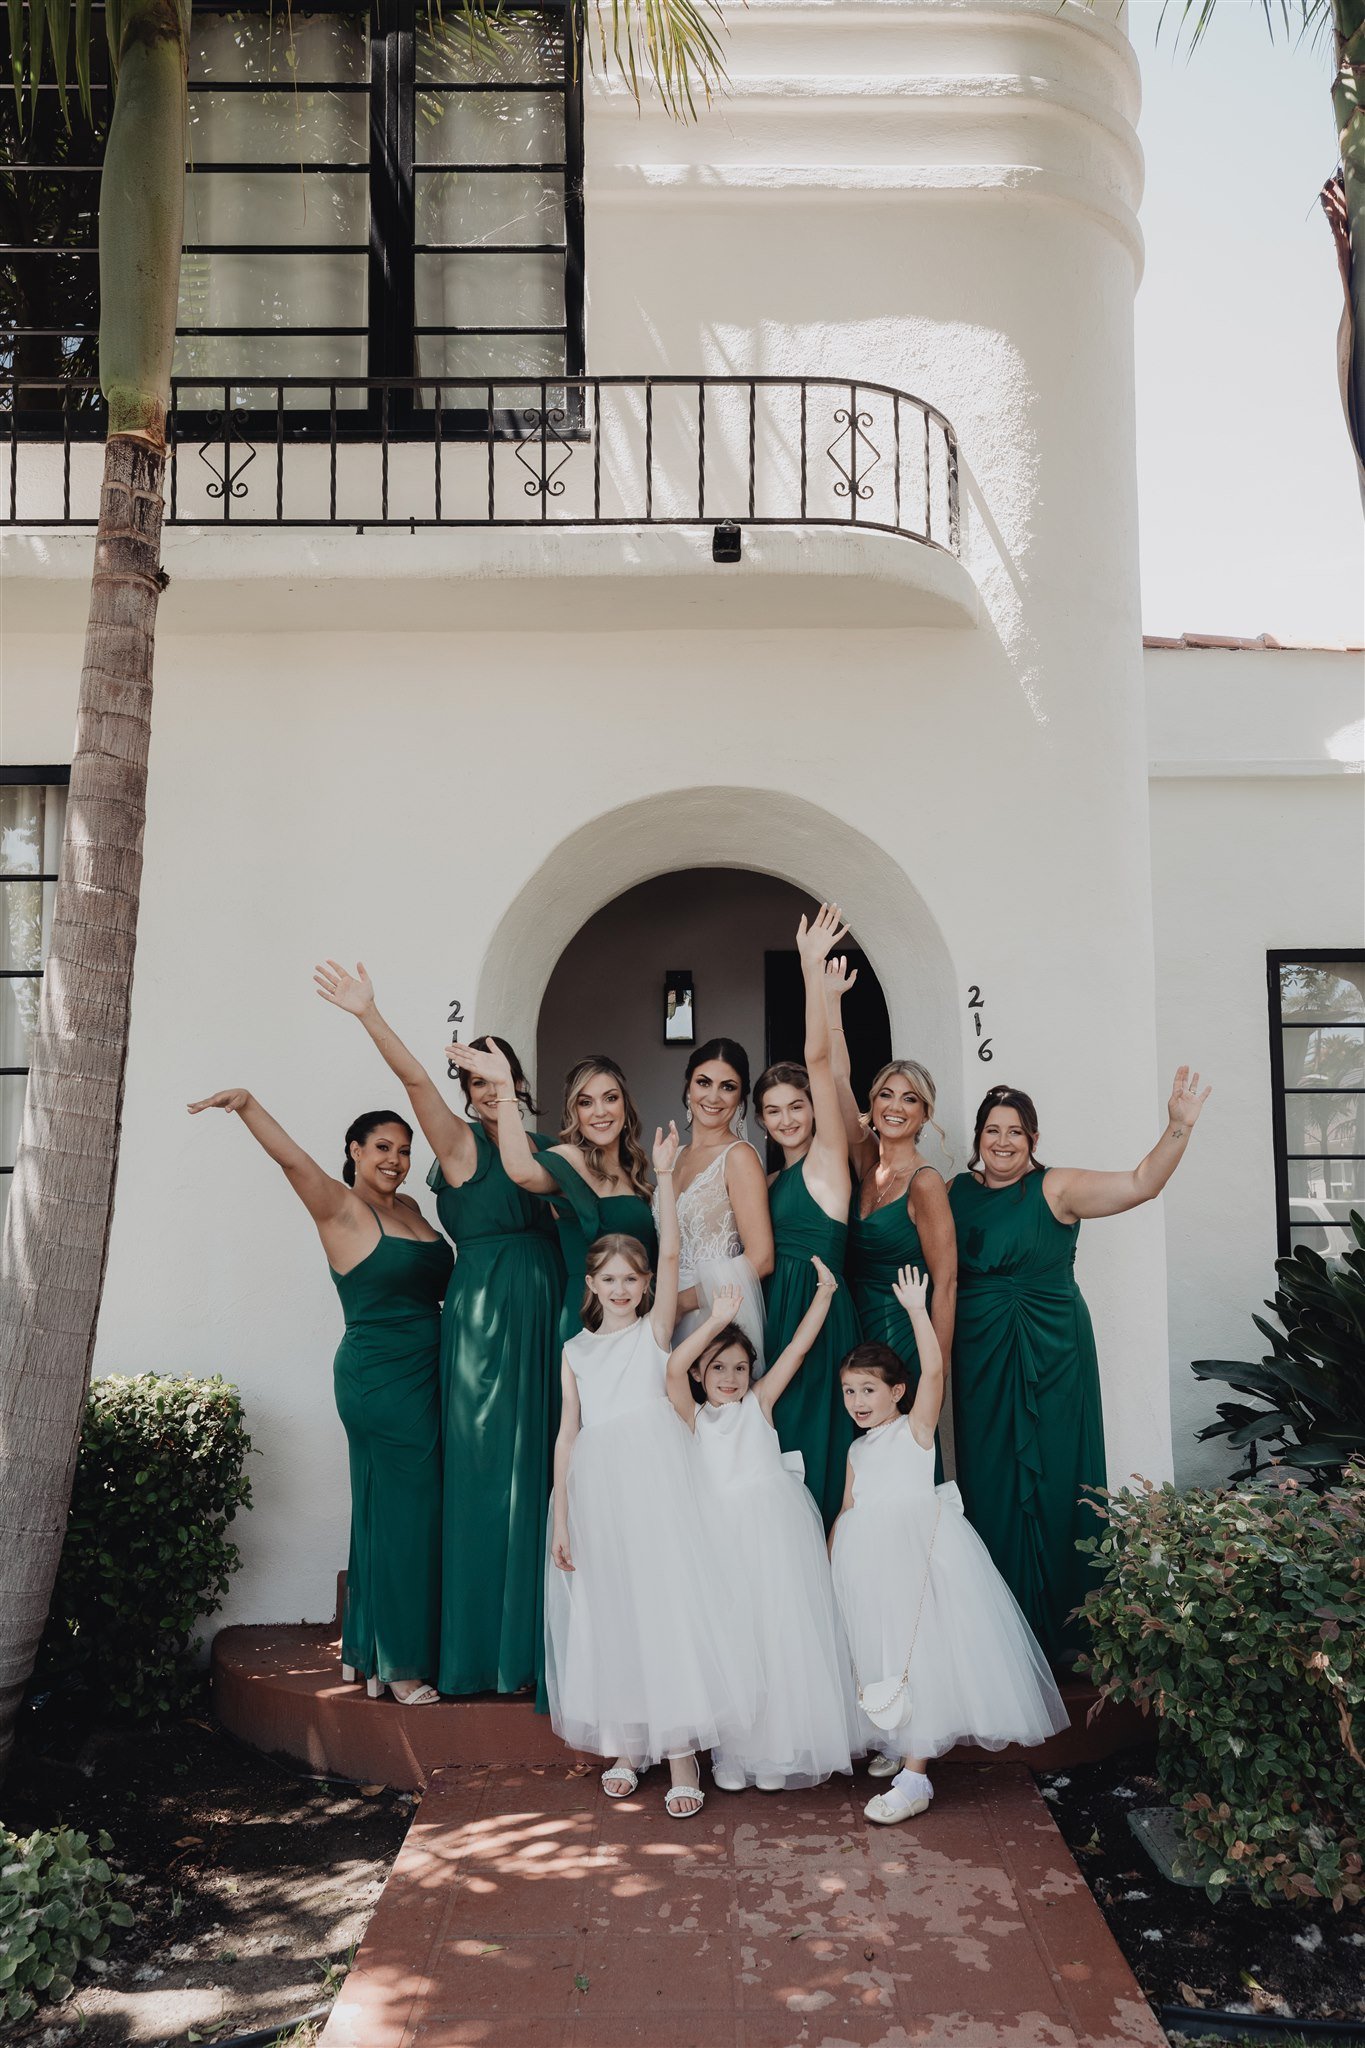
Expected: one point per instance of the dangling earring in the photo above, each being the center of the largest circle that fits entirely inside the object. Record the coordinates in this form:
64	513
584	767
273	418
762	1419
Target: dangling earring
689	1115
739	1124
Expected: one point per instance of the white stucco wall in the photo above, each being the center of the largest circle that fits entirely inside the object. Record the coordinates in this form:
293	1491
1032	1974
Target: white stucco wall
1258	844
935	197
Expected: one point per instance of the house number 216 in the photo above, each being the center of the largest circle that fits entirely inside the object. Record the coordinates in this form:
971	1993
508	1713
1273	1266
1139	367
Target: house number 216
975	1007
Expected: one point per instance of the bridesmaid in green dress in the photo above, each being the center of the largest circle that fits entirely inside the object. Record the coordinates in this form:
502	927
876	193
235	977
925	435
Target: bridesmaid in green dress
900	1214
1029	1429
499	1365
391	1270
798	1107
596	1179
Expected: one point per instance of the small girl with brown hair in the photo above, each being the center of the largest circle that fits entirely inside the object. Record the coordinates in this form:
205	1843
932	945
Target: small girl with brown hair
941	1652
635	1665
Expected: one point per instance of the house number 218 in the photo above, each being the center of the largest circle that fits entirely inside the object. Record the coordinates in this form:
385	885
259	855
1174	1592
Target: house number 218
454	1020
975	1007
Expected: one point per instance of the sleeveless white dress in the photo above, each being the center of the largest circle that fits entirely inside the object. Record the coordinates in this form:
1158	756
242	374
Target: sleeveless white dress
976	1671
772	1542
636	1651
711	1254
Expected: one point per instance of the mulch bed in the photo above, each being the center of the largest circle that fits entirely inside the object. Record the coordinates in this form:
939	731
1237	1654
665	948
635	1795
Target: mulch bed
1307	1963
249	1880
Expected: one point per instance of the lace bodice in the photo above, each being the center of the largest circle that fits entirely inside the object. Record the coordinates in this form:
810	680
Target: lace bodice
706	1222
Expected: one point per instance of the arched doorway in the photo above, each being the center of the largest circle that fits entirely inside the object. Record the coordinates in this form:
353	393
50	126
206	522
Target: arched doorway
728	936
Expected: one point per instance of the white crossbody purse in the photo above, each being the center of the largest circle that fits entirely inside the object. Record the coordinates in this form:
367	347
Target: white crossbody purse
886	1701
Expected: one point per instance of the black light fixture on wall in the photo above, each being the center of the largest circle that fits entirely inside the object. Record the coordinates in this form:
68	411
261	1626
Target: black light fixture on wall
679	1007
727	542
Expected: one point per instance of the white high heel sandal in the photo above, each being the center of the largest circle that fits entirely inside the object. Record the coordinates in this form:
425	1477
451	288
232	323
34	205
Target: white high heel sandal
421	1696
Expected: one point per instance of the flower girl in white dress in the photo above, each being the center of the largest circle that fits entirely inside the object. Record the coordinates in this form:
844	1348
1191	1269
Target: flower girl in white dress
636	1659
941	1652
770	1545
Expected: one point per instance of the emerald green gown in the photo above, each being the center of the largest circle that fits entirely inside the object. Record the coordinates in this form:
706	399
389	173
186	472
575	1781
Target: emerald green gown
385	1377
582	1216
1029	1430
810	1417
878	1246
499	1368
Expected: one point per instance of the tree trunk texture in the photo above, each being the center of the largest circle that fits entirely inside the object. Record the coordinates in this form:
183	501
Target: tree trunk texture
61	1198
1348	103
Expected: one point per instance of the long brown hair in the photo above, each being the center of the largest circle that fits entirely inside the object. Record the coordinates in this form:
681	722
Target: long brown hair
632	1152
615	1245
521	1087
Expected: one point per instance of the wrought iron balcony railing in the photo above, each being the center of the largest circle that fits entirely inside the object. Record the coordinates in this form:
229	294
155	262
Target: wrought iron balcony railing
584	452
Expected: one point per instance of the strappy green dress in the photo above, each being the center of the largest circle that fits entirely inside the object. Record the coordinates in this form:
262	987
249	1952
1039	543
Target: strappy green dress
499	1371
878	1246
385	1377
1029	1428
810	1417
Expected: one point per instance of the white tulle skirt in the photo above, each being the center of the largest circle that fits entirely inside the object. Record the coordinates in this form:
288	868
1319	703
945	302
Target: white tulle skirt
804	1729
977	1673
710	1274
642	1658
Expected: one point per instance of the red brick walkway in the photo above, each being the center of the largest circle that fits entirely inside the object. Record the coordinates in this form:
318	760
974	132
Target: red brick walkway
528	1911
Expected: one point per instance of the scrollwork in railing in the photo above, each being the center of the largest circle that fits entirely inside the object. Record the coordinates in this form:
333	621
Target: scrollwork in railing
545	480
223	439
852	479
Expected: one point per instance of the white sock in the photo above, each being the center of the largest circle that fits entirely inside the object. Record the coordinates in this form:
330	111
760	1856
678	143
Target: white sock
914	1784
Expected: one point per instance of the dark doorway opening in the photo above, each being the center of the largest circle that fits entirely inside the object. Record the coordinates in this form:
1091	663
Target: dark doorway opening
867	1026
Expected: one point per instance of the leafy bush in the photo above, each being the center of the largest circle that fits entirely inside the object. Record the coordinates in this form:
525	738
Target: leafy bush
58	1901
158	1479
1311	1387
1235	1618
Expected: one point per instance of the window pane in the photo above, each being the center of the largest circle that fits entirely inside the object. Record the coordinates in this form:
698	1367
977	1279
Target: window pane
32	815
303	127
288	46
490	291
269	355
1333	1243
1329	1187
1330	989
528	48
272	291
18	1017
489	128
11	1116
495	356
278	207
496	206
1324	1056
1328	1122
25	923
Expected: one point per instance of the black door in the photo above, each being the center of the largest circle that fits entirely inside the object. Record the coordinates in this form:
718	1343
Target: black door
867	1027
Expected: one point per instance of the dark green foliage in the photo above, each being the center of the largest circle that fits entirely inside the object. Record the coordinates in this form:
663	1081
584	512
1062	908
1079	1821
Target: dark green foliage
158	1479
58	1901
1309	1391
1235	1618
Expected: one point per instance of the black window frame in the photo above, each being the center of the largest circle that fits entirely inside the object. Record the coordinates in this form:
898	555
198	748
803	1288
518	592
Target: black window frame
1276	959
392	90
43	777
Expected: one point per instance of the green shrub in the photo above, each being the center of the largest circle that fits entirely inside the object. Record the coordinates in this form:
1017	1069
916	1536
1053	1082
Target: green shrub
1235	1618
1309	1389
58	1901
158	1479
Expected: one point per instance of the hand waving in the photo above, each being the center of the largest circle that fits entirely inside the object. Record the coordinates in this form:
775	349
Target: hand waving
725	1306
489	1066
911	1288
818	938
350	992
666	1148
1186	1100
233	1100
839	978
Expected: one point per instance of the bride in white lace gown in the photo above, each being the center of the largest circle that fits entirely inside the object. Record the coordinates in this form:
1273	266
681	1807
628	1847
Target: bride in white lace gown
727	1233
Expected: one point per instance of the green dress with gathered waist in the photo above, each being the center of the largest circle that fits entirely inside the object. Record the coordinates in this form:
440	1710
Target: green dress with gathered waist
1028	1425
581	1216
878	1246
385	1377
499	1369
810	1417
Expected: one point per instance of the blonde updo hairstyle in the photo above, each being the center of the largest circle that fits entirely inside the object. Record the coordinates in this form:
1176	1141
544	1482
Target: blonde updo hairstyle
615	1245
922	1081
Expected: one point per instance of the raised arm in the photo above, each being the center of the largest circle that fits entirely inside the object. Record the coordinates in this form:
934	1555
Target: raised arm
827	1161
448	1135
932	1216
911	1287
747	1186
518	1154
1073	1193
788	1362
570	1421
722	1313
664	1313
326	1199
862	1146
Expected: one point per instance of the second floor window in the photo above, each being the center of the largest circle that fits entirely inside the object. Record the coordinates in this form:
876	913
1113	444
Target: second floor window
370	194
1317	1057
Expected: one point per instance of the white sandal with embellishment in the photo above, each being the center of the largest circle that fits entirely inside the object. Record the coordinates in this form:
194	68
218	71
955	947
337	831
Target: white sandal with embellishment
685	1792
620	1774
420	1696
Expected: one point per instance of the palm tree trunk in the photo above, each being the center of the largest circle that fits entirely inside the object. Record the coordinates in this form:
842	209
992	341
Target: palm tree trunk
61	1198
1348	101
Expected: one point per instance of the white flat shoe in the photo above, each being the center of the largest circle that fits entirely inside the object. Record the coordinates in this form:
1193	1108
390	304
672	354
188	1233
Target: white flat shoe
728	1779
766	1782
903	1801
882	1766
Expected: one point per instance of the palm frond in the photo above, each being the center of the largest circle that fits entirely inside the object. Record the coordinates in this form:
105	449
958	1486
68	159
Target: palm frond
676	42
1309	17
